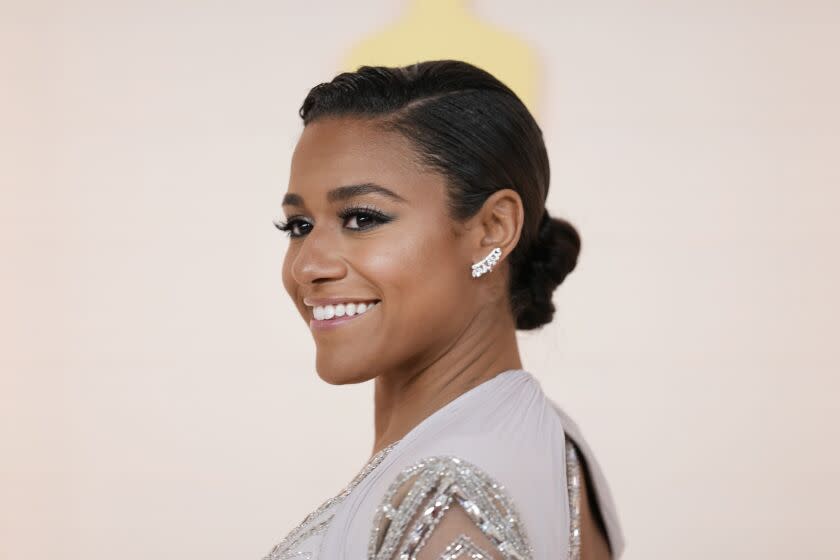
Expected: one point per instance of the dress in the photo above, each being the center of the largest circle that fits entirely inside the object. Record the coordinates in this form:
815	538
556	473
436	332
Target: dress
492	474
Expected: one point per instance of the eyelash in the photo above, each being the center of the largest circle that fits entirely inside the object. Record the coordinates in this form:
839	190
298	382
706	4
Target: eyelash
370	211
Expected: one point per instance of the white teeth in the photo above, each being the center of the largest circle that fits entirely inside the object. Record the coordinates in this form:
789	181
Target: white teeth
322	312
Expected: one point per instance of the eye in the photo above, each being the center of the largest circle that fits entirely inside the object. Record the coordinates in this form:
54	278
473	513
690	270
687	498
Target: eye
365	217
291	226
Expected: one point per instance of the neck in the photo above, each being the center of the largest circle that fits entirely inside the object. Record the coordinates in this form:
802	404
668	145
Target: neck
402	400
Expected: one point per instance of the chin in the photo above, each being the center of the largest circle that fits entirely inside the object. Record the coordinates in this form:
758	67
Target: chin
335	374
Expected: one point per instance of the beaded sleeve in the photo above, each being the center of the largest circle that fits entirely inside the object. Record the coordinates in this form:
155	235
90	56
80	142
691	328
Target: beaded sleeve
445	508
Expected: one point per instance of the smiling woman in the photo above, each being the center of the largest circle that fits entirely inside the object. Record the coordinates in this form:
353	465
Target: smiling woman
419	243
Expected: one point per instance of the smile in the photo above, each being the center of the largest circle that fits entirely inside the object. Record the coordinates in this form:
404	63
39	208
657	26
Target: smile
331	316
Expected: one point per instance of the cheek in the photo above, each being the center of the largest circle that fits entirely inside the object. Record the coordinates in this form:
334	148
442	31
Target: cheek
288	281
423	281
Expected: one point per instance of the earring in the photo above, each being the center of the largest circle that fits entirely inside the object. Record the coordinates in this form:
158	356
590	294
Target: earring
487	263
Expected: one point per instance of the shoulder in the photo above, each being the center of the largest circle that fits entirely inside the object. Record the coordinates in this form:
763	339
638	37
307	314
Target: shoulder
507	434
443	506
491	476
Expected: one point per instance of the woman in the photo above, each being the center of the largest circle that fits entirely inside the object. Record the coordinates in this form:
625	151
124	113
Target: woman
419	244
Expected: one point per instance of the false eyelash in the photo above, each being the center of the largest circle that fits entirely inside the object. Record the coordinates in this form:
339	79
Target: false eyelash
368	209
288	225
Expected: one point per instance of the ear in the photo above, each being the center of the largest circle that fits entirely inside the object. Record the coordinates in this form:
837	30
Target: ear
498	224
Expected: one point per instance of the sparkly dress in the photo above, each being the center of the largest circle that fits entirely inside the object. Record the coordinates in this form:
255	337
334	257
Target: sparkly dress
494	474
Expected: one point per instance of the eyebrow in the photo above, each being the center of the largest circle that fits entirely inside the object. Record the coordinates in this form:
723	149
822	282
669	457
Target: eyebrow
345	192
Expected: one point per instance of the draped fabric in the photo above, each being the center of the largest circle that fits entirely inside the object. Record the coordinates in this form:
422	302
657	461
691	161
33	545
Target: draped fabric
495	474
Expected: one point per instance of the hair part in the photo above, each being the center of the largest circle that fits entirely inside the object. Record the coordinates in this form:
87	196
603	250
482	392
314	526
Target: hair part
475	131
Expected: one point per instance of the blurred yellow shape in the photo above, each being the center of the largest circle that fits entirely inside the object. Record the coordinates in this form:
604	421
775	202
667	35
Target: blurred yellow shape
446	29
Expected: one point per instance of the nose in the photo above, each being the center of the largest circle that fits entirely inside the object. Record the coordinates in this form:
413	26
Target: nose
318	258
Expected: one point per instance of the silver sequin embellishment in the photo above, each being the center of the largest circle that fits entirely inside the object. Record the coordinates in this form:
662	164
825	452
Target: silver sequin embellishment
437	483
464	547
310	526
573	480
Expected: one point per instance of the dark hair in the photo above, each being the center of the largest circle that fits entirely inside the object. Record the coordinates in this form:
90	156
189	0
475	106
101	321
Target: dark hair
469	126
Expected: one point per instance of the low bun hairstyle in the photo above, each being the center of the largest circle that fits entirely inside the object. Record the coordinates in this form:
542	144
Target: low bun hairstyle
475	131
537	272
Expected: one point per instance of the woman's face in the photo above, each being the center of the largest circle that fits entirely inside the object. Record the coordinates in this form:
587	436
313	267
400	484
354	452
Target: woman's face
355	244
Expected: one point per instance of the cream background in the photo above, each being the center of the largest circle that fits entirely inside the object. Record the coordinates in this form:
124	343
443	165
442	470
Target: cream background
158	396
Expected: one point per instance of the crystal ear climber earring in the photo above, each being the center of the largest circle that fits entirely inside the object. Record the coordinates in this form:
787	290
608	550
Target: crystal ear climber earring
487	263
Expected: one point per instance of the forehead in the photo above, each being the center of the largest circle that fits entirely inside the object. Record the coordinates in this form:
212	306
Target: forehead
335	151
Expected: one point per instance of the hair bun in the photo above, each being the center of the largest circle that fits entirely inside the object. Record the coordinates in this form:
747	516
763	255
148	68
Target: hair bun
544	266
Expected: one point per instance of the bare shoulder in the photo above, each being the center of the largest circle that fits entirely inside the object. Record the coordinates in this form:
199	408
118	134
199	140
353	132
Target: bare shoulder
593	540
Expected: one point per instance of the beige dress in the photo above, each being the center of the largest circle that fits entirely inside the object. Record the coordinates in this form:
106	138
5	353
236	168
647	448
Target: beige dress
495	473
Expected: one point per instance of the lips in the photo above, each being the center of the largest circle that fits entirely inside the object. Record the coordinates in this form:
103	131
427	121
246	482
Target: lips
331	316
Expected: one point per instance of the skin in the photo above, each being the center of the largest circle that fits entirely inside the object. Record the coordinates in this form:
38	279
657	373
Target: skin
437	331
593	541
